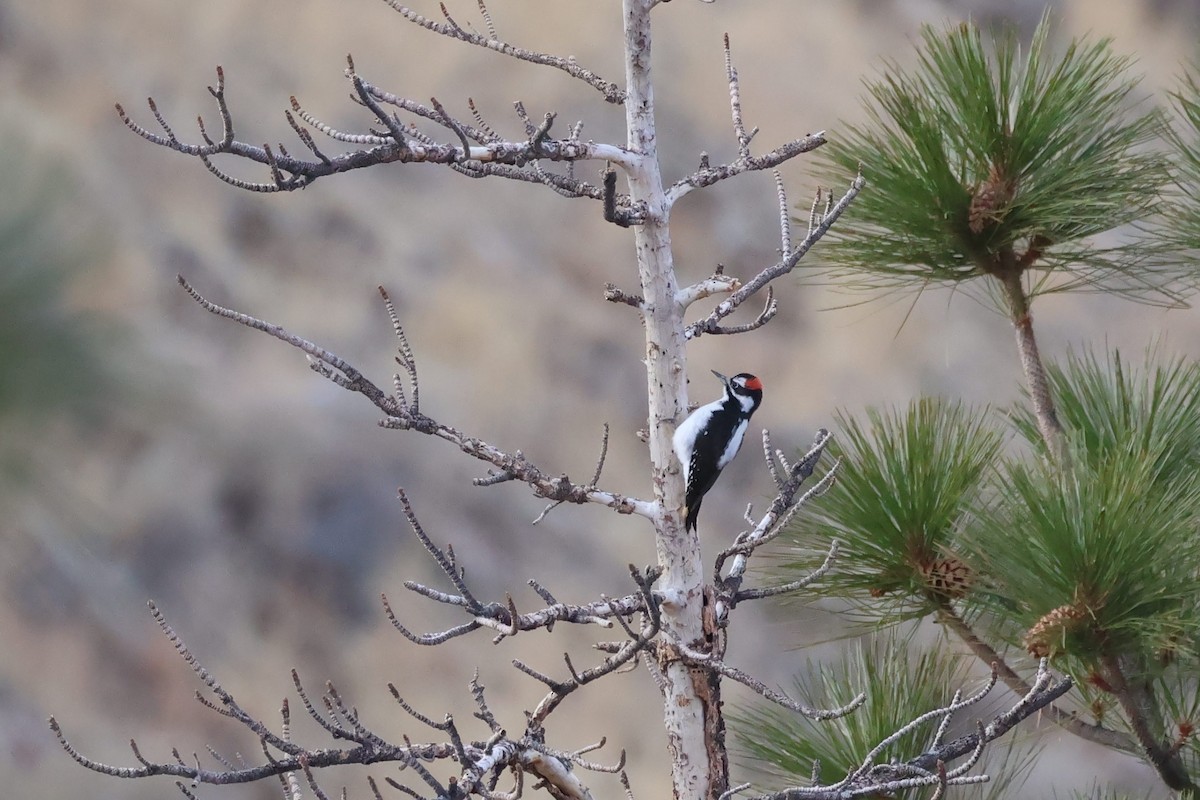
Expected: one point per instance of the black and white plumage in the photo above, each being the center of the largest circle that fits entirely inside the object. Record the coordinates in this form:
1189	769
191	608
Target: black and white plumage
710	437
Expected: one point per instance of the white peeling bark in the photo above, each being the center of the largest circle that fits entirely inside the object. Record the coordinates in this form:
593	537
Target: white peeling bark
688	706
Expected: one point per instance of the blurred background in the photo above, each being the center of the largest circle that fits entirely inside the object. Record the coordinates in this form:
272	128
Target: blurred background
150	450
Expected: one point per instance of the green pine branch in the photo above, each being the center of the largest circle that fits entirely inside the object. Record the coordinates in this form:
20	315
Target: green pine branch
908	484
1011	172
1093	566
986	161
998	170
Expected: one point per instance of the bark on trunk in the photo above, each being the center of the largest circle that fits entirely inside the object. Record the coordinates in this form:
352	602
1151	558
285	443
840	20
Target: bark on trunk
691	702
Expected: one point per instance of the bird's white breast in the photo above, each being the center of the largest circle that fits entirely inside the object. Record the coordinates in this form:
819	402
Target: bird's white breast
735	443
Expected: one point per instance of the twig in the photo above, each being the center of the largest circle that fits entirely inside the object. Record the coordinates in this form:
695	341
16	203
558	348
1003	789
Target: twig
628	651
785	217
591	484
439	556
709	662
614	295
487	20
454	125
732	791
612	212
335	730
735	105
711	323
709	175
429	639
387	119
481	124
796	585
330	131
612	93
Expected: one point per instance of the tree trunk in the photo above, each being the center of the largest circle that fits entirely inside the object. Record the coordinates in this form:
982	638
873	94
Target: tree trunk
691	704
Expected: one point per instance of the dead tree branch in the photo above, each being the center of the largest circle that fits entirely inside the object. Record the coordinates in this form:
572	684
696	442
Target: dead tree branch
404	415
612	93
1068	721
711	175
288	760
476	150
783	506
298	173
760	688
929	769
708	175
504	617
712	323
629	650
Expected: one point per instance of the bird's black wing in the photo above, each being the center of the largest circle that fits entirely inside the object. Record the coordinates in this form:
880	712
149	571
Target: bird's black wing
702	474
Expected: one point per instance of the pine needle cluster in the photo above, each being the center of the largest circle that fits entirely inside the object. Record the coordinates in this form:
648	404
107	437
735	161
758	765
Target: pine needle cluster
910	482
984	160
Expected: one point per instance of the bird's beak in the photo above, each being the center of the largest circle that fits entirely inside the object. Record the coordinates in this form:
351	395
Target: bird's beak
720	377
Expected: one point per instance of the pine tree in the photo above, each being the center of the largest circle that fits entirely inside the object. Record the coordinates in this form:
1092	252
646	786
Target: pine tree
1064	527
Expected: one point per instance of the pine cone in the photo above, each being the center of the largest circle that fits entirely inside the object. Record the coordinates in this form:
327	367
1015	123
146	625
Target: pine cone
1051	629
988	200
948	577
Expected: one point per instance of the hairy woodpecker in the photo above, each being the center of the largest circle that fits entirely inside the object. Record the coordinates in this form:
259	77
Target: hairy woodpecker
708	440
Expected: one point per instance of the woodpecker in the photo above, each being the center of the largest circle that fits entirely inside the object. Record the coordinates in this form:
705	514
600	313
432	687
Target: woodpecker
708	440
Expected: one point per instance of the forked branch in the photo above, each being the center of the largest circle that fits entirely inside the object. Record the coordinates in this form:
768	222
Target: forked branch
612	93
637	642
1065	719
830	215
708	174
504	618
708	661
475	150
403	413
787	502
293	763
875	777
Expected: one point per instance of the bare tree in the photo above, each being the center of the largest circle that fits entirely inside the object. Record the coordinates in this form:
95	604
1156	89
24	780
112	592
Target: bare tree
675	616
